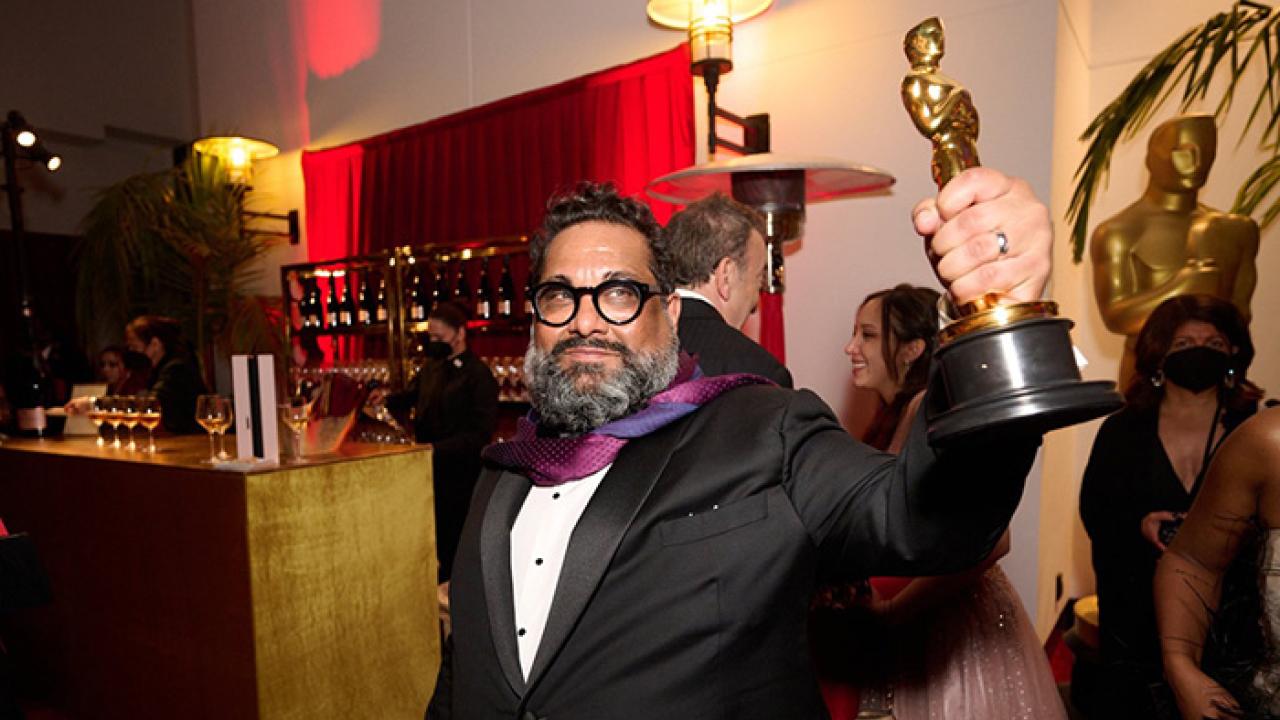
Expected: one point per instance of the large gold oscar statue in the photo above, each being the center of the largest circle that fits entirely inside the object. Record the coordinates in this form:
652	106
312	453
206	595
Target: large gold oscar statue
1167	243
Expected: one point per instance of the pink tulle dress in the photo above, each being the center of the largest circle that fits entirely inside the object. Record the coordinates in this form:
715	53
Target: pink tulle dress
974	656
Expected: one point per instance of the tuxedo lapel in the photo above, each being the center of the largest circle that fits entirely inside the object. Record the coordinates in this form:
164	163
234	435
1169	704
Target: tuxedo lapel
495	557
596	537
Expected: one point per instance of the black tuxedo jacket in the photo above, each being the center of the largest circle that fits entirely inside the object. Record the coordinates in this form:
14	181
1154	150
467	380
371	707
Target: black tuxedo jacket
722	349
687	581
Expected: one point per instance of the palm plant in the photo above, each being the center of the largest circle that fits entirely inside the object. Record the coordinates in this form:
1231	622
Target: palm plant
175	243
1231	40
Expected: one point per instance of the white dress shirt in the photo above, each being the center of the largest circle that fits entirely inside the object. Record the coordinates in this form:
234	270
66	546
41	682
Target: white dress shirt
539	540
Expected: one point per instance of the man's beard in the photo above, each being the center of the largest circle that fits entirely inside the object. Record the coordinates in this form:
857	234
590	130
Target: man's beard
563	407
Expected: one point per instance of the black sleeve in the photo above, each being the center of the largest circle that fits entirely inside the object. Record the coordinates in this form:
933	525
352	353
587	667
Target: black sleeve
405	399
479	421
440	706
925	512
1108	508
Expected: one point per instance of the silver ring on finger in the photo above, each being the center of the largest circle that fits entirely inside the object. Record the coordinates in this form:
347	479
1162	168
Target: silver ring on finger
1002	243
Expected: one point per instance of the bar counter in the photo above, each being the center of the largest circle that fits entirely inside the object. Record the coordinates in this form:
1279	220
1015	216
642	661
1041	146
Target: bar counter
181	590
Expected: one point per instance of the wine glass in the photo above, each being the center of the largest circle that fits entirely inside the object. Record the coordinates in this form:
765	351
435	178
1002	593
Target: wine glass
296	413
224	427
149	418
213	414
114	416
129	417
98	410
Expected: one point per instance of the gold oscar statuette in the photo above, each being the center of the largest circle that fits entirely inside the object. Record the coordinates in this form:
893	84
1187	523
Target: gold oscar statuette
1001	365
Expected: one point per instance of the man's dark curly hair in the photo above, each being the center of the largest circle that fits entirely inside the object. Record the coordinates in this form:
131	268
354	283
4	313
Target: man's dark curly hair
600	202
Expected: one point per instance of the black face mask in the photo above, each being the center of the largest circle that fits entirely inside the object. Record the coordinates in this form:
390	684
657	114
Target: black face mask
437	350
1197	368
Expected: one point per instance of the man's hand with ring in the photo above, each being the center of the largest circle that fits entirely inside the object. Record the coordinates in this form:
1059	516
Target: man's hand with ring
987	232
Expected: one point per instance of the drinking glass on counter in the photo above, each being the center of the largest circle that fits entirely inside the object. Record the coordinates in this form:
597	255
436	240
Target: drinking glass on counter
213	412
296	413
98	410
114	416
149	418
128	405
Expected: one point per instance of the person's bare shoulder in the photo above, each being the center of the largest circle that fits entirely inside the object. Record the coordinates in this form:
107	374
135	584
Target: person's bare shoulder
1251	460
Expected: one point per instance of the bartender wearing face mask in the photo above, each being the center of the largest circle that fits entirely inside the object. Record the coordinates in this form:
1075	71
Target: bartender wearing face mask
455	408
1188	391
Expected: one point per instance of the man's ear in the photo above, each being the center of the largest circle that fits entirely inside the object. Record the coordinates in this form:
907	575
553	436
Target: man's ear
673	308
722	278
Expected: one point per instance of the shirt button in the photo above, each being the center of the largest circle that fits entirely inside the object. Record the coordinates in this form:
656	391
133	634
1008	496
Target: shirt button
538	561
520	632
555	496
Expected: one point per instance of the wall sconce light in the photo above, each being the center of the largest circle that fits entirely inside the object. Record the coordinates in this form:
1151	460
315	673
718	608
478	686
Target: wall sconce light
710	27
237	154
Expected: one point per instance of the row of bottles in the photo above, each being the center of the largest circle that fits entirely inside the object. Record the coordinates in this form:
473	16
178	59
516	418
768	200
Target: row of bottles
342	310
426	285
483	303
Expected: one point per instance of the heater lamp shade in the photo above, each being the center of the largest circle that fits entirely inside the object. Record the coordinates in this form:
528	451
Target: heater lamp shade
824	178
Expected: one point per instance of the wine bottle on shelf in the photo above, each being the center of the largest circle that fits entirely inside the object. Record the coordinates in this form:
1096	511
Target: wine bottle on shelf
364	300
347	305
483	304
334	300
315	306
506	290
304	304
32	390
380	304
417	304
528	297
439	285
463	293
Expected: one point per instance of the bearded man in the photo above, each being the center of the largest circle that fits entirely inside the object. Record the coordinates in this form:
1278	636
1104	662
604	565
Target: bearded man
648	543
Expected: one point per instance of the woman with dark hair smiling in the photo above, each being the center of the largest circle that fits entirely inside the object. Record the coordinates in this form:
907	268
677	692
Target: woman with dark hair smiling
1188	391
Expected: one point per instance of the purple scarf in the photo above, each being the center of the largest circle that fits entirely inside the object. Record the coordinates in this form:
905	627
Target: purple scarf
551	461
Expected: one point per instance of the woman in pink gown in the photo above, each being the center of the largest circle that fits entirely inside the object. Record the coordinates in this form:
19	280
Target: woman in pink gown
958	646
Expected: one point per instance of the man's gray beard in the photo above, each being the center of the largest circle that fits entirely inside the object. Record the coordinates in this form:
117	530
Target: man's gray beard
563	407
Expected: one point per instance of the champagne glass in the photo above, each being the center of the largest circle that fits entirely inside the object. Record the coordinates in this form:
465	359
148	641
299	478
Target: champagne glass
98	415
149	417
114	416
296	413
211	413
224	427
129	417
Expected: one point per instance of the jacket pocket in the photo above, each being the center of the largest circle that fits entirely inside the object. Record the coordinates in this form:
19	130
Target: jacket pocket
715	520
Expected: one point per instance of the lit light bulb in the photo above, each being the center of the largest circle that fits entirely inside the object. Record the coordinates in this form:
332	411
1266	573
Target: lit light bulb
53	163
26	138
238	156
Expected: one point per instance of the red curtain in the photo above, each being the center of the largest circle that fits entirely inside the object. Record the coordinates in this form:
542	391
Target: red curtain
488	171
333	200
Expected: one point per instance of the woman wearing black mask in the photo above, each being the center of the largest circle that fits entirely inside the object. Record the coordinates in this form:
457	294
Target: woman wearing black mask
455	402
1188	392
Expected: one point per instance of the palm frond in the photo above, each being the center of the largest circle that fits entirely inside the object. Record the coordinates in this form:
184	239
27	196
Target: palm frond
174	242
1190	62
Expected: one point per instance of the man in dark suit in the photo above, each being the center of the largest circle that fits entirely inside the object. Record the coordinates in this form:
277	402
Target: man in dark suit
648	543
718	265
